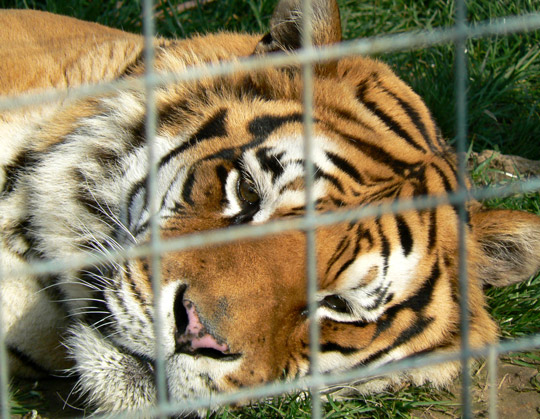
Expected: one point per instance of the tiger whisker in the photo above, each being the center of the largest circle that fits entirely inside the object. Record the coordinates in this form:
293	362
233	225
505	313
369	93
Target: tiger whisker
111	215
97	300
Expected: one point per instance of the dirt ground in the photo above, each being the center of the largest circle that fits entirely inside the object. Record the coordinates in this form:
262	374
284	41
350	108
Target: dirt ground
518	394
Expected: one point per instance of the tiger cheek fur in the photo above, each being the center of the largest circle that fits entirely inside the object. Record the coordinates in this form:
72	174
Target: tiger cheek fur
229	152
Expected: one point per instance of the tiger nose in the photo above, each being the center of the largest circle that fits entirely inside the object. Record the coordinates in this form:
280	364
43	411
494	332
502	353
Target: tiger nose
191	335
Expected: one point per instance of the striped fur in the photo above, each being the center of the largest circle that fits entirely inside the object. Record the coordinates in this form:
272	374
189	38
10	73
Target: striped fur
230	152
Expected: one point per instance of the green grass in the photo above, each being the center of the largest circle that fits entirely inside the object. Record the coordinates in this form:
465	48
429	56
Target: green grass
503	113
383	406
25	398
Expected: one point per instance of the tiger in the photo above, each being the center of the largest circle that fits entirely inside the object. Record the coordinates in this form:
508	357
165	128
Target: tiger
229	152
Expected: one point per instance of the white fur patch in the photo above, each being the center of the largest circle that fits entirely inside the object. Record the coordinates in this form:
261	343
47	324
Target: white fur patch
289	154
366	301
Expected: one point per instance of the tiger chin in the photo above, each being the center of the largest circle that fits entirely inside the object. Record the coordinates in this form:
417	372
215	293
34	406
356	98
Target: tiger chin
229	152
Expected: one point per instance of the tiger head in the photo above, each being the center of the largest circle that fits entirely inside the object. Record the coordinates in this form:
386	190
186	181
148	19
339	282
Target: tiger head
230	152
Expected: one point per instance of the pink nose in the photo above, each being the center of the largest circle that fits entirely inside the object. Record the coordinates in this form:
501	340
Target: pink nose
196	336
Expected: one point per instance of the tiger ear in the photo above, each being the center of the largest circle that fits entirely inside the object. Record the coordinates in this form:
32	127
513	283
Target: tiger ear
509	245
286	26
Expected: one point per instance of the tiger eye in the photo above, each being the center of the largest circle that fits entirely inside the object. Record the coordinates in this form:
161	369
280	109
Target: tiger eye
336	303
247	192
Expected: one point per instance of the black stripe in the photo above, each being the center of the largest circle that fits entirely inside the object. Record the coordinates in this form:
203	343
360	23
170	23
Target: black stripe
89	201
420	188
266	124
382	291
418	303
336	347
214	127
141	228
131	67
106	157
319	174
345	265
222	173
359	323
346	167
269	162
405	235
178	209
27	360
289	185
138	136
16	168
139	187
412	331
187	188
361	233
446	181
263	126
449	189
24	231
432	234
338	203
374	152
137	293
229	154
421	300
416	177
178	206
176	113
413	115
286	369
340	249
387	119
349	116
385	246
447	159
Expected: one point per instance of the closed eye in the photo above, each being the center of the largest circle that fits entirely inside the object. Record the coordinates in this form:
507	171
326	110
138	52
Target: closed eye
336	303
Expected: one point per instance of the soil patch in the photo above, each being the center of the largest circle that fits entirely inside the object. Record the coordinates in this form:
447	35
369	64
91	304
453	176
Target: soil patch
518	394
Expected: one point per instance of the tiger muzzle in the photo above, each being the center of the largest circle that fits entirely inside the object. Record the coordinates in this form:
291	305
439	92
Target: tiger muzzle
192	337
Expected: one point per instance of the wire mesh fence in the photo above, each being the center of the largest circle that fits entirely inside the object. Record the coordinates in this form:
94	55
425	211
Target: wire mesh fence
306	57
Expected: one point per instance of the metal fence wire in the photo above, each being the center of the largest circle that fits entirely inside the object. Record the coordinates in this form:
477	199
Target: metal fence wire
306	57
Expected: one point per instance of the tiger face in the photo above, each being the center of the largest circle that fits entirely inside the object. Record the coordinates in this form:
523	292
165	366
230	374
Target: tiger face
230	152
